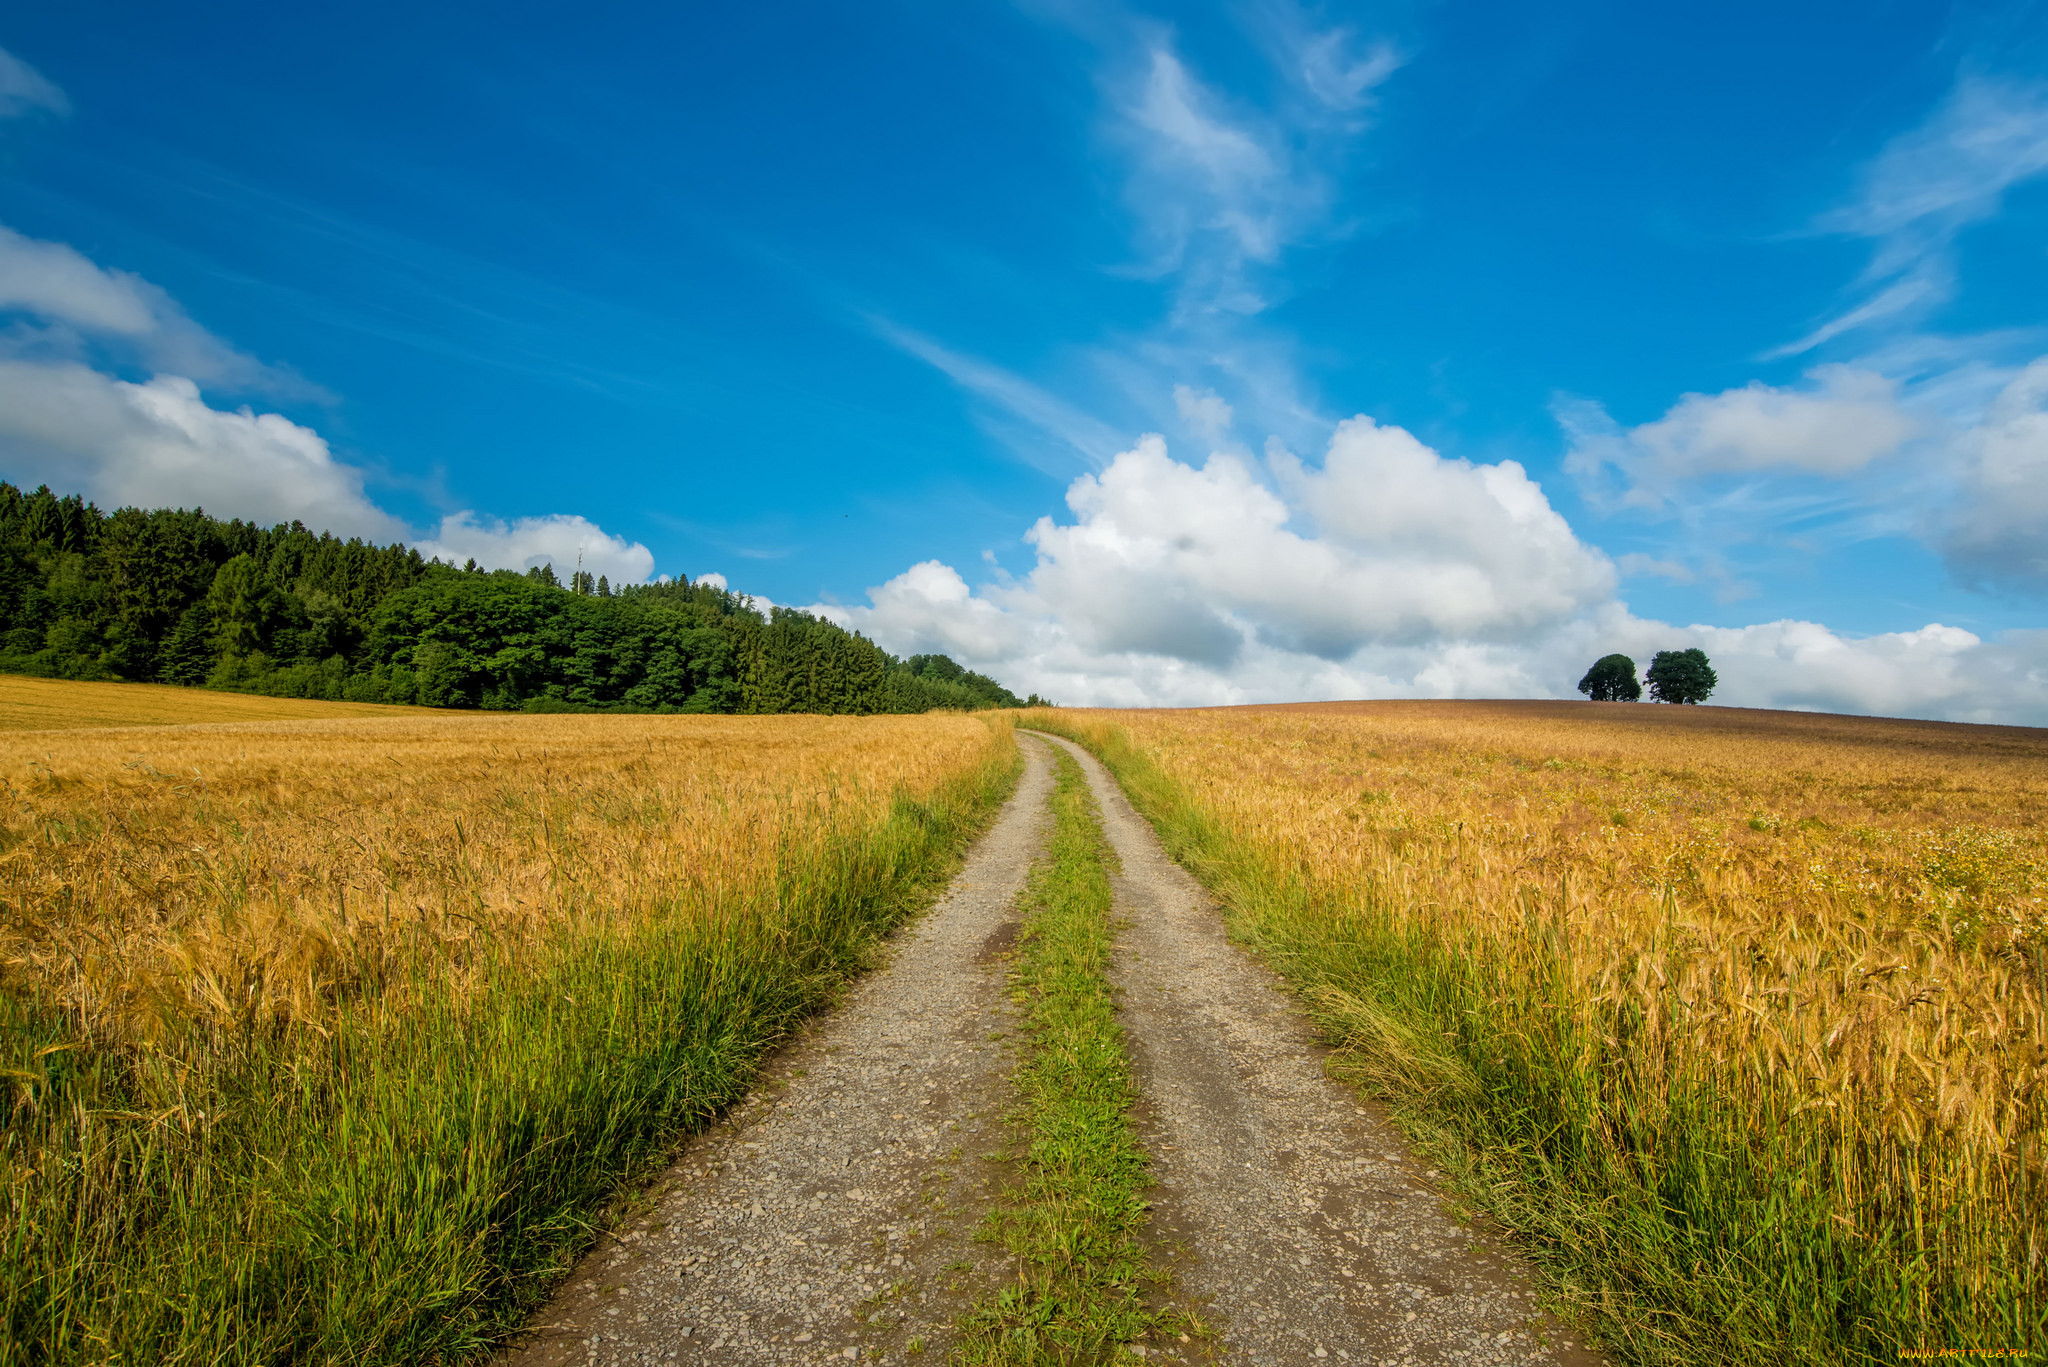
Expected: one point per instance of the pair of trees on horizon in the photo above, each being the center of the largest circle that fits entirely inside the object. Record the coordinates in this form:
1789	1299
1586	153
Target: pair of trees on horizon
1675	676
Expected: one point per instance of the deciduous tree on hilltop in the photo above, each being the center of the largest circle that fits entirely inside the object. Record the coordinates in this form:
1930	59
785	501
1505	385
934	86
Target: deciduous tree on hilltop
1681	676
1612	679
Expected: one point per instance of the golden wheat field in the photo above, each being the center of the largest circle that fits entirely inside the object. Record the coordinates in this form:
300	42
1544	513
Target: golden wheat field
328	1039
1863	899
268	870
1829	932
64	705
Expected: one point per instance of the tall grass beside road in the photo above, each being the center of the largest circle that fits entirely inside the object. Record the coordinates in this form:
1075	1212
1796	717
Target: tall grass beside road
1073	1222
1736	1018
329	1042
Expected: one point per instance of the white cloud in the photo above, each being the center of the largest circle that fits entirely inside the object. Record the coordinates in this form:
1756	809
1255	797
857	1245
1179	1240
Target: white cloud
716	581
1422	577
1231	179
1843	420
1335	71
929	609
1218	191
76	302
1635	563
1205	412
160	445
1987	136
1937	671
1973	485
55	281
1927	284
23	89
1996	530
559	539
1197	564
1218	188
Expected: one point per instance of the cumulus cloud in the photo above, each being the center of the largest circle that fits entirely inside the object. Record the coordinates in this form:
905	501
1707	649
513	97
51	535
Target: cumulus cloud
1937	671
159	444
1996	531
1442	547
1199	564
1386	571
1844	421
558	539
1841	421
24	90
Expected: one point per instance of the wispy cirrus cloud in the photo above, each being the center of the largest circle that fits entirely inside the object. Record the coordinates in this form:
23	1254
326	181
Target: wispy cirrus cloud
1929	184
1218	188
24	90
1009	393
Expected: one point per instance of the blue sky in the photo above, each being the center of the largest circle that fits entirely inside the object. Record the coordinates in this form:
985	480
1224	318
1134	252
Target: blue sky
1199	354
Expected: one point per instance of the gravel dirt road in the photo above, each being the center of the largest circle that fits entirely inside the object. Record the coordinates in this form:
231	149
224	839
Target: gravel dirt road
848	1186
1311	1233
831	1216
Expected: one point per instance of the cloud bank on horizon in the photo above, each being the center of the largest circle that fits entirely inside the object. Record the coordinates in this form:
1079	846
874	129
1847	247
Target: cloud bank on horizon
1179	585
1388	570
1277	548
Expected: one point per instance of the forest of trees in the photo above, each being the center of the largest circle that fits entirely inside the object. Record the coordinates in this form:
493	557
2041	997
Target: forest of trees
175	596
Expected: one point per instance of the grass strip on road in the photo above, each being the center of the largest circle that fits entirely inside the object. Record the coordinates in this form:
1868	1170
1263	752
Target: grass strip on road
1074	1223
